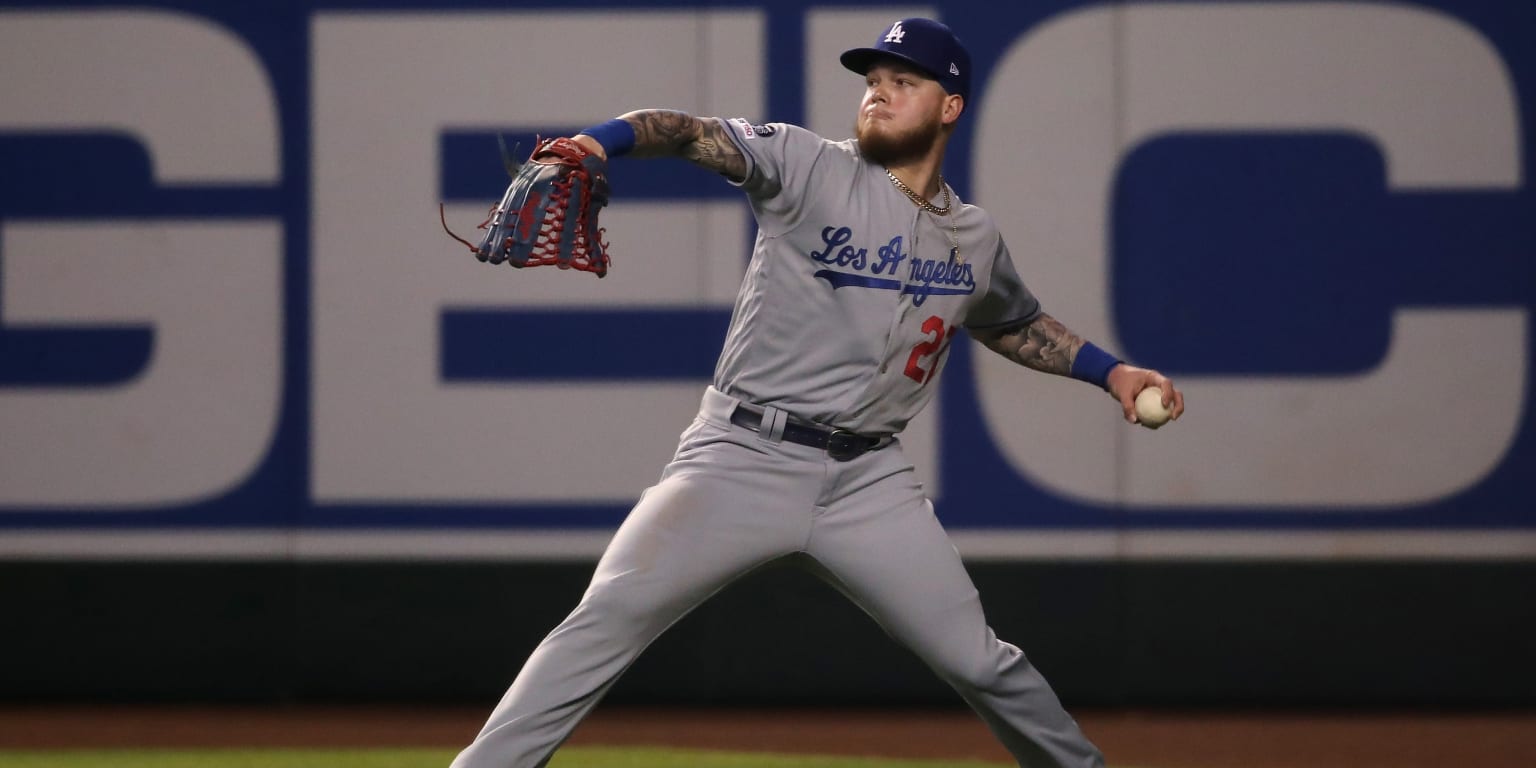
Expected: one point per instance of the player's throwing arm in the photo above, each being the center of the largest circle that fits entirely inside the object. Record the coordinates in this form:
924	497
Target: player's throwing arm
1147	397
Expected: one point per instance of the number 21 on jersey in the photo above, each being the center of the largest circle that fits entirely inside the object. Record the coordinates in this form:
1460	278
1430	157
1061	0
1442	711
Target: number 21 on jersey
928	350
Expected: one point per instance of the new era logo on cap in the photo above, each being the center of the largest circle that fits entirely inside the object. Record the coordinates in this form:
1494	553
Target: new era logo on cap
924	43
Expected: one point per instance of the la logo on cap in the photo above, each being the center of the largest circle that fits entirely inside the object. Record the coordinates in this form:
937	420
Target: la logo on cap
954	70
896	33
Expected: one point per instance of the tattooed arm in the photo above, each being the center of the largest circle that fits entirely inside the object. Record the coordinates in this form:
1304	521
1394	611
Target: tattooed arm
669	133
1044	344
700	140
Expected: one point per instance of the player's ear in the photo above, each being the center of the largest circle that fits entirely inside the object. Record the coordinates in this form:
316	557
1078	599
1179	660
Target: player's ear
954	104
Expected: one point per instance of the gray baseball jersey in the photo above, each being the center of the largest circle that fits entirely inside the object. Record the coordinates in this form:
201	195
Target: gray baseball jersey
843	319
851	297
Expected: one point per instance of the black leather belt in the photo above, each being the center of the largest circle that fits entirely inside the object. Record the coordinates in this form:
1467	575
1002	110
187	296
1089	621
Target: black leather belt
840	444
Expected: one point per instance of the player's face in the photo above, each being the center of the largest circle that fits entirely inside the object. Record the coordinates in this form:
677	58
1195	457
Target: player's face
901	115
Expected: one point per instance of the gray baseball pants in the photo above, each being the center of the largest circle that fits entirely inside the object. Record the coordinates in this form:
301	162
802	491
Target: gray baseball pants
732	500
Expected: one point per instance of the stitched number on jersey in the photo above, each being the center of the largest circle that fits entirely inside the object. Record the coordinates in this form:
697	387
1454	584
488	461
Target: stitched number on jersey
933	326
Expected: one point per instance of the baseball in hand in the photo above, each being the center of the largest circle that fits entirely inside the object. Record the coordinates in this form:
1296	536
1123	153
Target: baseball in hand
1149	408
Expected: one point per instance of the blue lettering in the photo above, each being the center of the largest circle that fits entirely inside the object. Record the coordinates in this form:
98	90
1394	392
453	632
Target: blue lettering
833	237
858	258
925	277
922	270
890	256
925	273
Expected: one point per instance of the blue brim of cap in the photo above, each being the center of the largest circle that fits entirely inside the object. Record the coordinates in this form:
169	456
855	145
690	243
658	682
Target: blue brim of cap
859	60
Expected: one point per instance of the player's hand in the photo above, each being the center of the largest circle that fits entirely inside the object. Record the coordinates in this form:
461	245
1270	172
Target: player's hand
1126	381
590	144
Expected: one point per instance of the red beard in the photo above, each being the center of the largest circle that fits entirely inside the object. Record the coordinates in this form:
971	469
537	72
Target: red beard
888	148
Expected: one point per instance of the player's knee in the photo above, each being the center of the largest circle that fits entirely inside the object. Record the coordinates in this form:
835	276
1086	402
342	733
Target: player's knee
987	669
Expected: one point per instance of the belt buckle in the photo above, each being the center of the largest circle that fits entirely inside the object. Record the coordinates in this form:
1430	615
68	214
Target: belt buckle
843	445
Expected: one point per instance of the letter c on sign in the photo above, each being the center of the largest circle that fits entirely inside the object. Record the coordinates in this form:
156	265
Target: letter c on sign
1446	122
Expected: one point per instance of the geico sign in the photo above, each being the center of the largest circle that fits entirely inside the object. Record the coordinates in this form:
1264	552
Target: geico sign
385	426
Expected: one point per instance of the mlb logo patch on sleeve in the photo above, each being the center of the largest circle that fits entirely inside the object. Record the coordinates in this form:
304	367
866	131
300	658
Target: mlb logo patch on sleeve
752	131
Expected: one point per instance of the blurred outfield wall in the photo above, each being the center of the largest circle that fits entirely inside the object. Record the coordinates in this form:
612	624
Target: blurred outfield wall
267	432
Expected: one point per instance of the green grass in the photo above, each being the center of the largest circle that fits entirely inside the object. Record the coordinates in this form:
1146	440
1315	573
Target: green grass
571	757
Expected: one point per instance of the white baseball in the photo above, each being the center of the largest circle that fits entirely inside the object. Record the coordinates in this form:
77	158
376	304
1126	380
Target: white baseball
1150	410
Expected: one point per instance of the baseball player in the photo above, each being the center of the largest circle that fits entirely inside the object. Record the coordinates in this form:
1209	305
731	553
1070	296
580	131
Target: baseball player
866	265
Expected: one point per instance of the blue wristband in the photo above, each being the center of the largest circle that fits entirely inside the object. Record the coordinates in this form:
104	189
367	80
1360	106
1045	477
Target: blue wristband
617	136
1093	365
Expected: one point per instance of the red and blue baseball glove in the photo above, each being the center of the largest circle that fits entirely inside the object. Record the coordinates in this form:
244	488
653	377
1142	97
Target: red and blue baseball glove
548	214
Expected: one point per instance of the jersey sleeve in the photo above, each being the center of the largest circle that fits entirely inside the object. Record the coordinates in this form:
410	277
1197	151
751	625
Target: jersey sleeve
781	159
1007	302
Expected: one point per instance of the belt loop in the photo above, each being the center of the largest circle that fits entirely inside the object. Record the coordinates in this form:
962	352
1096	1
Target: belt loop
772	428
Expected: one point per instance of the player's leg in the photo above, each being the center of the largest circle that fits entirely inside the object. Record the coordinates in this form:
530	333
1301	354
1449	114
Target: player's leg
718	512
883	547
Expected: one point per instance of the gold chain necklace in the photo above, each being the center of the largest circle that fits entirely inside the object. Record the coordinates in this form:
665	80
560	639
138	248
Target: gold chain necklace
954	223
921	203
